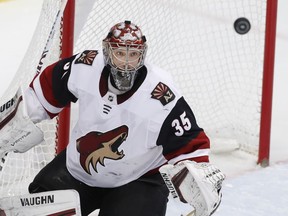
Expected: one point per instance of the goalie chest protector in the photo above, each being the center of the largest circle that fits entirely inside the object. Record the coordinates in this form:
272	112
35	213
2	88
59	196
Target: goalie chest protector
114	140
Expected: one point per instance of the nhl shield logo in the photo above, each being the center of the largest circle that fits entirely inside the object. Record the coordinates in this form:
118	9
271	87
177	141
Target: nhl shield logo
162	93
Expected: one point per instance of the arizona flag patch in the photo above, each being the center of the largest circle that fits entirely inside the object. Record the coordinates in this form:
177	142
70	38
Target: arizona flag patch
162	93
87	57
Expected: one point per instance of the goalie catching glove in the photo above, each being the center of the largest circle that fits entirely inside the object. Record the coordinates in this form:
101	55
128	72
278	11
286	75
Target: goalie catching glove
198	184
17	132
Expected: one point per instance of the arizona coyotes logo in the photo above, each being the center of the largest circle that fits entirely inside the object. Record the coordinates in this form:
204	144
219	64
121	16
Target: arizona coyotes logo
162	93
94	147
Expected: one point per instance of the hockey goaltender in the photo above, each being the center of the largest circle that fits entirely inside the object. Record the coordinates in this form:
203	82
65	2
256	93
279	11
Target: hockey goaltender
135	140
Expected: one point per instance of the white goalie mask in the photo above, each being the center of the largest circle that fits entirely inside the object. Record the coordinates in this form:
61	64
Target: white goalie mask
124	51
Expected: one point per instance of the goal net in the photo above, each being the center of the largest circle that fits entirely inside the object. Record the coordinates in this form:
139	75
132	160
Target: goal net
213	49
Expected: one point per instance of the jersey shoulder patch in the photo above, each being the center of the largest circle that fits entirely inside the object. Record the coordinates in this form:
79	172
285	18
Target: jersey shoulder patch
162	93
87	57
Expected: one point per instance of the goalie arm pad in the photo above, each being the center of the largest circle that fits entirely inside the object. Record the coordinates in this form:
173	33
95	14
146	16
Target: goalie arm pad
17	132
198	184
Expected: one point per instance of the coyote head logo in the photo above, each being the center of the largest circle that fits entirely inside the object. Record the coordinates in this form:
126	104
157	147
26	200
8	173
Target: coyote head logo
95	146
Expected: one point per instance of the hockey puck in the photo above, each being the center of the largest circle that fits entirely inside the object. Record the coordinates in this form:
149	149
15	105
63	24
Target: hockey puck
242	25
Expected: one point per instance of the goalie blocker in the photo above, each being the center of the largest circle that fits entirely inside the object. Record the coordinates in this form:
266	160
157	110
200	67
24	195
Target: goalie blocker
198	184
17	132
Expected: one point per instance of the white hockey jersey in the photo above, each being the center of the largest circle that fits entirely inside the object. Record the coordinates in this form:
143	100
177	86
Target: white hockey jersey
117	138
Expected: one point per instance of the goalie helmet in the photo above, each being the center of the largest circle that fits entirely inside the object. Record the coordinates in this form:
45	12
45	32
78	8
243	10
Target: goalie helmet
124	51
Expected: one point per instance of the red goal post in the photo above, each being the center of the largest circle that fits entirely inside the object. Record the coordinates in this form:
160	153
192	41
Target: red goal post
267	86
63	122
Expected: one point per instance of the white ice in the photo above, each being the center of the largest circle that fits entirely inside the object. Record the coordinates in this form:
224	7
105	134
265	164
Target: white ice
248	189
